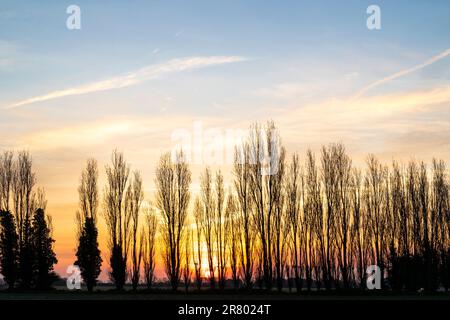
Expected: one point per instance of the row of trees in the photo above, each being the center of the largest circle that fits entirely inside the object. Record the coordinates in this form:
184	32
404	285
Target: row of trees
316	223
26	244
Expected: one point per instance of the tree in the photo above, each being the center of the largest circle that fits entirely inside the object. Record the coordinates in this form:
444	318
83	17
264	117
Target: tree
23	182
293	191
241	171
9	251
173	179
117	217
187	272
360	229
197	255
233	230
316	263
220	231
375	201
6	179
208	221
43	255
88	253
149	247
265	188
134	198
343	167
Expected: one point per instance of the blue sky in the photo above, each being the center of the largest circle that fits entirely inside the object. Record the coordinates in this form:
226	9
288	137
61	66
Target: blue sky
119	36
312	66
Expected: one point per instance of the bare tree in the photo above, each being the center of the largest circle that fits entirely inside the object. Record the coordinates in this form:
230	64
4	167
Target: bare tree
375	202
294	199
88	194
133	199
117	217
241	171
149	245
280	228
234	234
314	217
187	272
172	183
219	230
265	189
197	255
343	167
360	230
208	221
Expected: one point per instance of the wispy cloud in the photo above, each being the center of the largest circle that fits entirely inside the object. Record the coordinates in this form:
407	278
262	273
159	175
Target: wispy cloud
134	77
402	73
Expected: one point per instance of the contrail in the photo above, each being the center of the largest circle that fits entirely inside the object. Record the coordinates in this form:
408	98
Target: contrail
134	77
401	73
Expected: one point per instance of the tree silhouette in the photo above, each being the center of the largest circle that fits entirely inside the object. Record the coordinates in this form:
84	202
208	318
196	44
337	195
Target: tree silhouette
88	253
207	221
43	255
149	246
173	179
23	183
117	216
134	198
8	249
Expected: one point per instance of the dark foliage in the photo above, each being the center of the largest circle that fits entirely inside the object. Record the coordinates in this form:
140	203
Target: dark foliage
88	254
8	248
43	255
118	267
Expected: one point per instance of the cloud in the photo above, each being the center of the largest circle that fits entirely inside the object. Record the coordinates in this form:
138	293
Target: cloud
372	124
402	73
134	77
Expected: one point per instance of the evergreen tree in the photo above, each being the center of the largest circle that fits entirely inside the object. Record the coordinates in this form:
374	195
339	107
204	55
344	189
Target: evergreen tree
88	254
44	256
8	249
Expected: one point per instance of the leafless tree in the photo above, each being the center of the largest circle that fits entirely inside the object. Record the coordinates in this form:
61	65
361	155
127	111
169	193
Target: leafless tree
133	199
172	199
294	201
375	202
241	171
343	167
219	230
265	186
24	180
316	255
88	194
117	216
208	221
233	230
149	245
360	229
197	255
187	272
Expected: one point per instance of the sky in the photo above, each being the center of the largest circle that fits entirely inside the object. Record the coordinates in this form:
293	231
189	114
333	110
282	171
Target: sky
138	73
